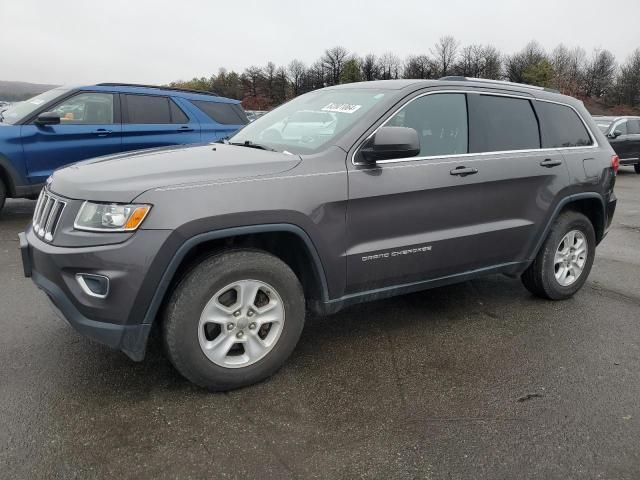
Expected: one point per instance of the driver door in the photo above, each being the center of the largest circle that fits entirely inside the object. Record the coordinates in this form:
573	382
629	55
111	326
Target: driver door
89	127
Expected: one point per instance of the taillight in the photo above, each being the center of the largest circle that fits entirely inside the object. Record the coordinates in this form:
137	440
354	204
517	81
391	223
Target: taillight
615	163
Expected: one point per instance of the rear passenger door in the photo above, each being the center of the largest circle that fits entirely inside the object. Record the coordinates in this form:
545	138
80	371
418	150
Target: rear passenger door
620	143
563	129
633	129
150	121
472	199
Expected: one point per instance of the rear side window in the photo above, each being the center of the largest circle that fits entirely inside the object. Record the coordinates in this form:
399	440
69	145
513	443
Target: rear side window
501	123
224	113
439	119
561	126
153	109
633	126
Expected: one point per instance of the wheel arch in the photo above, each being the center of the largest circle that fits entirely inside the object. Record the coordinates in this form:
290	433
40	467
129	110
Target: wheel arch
590	204
288	242
8	176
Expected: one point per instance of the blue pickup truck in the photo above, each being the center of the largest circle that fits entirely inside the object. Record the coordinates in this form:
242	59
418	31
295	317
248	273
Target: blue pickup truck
66	125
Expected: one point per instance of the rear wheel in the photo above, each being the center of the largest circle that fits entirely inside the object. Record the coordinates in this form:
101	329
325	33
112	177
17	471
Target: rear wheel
636	167
234	319
565	259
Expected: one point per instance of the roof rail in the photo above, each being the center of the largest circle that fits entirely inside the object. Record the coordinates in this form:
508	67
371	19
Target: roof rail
458	78
177	89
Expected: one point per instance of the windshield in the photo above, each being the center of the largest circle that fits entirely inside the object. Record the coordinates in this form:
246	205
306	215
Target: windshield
18	111
309	122
603	125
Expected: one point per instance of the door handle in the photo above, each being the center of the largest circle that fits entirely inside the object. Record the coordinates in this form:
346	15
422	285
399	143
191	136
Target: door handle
463	171
102	132
185	128
550	163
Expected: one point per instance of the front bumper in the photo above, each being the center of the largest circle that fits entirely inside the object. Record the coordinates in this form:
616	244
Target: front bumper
112	321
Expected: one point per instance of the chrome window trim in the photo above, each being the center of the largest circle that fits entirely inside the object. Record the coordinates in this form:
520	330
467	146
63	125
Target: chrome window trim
463	155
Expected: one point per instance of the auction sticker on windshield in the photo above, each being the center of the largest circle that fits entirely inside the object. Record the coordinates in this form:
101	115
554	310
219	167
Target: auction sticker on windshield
341	108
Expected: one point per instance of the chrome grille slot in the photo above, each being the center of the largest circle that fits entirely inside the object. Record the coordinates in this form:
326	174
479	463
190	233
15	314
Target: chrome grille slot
47	215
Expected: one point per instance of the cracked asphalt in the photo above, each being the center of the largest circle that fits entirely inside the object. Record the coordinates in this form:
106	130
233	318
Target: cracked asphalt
477	380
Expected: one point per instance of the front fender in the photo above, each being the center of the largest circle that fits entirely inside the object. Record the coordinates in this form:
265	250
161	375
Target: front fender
181	247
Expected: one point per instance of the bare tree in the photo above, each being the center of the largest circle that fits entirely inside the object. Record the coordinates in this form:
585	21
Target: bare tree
599	73
419	66
389	66
445	52
316	77
517	64
369	67
628	82
492	63
296	70
334	60
470	62
253	76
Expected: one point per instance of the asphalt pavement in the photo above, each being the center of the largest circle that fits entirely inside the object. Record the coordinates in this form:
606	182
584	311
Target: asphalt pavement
472	381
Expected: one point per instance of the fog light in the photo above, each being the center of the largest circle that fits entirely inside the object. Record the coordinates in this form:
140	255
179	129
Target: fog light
93	285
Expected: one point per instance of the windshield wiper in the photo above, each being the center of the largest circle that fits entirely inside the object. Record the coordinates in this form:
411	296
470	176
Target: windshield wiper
250	144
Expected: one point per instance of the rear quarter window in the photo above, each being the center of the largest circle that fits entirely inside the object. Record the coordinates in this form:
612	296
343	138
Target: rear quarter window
498	123
561	126
224	113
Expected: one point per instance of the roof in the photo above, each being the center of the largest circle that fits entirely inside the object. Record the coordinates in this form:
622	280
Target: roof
159	90
415	84
386	84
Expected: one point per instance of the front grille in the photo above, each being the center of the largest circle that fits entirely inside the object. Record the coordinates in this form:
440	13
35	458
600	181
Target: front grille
47	215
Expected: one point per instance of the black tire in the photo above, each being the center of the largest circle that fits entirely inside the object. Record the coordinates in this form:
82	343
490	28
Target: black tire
636	167
3	195
540	278
189	298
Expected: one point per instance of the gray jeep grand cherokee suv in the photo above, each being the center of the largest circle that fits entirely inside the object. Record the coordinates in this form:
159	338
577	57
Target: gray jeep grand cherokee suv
345	194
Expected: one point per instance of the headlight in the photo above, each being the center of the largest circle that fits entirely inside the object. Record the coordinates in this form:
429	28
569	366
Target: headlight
110	217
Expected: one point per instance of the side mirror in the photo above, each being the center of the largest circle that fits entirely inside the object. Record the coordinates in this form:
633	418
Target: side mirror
389	143
48	118
615	134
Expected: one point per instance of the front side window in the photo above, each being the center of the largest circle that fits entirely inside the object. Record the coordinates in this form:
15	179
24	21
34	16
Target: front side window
90	108
22	110
302	125
440	120
561	126
501	123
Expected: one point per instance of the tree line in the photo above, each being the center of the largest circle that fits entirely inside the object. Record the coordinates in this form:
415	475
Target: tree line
595	75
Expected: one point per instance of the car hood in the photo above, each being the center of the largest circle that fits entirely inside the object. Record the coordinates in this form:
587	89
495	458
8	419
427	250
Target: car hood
122	177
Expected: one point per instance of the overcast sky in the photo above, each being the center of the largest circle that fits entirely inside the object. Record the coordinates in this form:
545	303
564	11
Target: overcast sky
152	41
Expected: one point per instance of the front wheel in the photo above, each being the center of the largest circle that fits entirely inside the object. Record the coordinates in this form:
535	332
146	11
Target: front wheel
234	319
565	259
